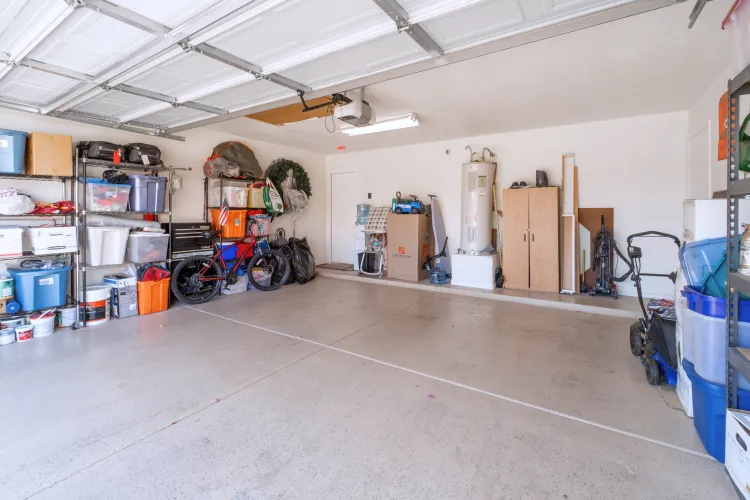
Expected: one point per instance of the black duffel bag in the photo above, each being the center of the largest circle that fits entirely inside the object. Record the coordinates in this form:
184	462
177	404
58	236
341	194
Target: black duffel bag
303	262
100	150
145	154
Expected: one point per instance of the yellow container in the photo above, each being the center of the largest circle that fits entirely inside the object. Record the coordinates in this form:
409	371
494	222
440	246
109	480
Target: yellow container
255	196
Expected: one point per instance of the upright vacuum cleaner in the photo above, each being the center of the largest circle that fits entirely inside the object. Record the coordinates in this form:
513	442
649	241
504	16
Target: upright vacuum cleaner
606	281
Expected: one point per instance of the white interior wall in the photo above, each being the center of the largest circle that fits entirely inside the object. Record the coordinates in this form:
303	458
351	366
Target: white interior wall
636	165
188	202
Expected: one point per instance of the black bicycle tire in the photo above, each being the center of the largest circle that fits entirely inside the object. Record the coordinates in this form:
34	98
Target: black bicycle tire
255	260
175	287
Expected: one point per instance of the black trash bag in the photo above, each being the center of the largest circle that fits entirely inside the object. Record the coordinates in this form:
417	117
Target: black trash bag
303	262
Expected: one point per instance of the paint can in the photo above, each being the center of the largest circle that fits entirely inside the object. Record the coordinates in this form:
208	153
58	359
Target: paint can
66	316
96	309
43	323
6	287
7	336
24	333
13	322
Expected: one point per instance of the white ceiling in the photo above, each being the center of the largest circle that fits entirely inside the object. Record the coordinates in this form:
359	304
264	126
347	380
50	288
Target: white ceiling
646	64
194	61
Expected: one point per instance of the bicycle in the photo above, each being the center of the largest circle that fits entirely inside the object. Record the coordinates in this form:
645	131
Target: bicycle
198	279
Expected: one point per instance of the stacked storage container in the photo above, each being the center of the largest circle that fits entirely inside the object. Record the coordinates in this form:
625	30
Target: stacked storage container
704	339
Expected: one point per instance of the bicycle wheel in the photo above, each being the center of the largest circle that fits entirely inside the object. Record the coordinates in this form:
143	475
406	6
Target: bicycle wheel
187	284
274	265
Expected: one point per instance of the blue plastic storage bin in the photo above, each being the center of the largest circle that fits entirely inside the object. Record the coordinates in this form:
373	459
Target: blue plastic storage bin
709	411
12	151
715	307
41	289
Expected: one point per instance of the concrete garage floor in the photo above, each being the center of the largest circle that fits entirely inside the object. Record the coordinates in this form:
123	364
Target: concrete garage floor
344	390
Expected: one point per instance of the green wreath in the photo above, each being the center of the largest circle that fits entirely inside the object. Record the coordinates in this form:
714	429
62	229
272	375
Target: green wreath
277	172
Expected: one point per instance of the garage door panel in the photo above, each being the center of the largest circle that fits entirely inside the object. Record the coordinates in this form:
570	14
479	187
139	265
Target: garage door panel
185	74
113	104
172	117
475	26
35	87
370	58
21	21
247	95
89	42
296	25
171	13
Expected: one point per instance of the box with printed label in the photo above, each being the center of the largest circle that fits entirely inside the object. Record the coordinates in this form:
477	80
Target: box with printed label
736	453
409	244
124	295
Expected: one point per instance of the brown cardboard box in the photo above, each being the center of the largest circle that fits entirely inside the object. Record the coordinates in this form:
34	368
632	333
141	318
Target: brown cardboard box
49	154
409	245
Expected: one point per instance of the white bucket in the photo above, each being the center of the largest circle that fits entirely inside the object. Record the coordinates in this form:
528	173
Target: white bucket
7	336
13	322
96	309
43	323
66	316
24	333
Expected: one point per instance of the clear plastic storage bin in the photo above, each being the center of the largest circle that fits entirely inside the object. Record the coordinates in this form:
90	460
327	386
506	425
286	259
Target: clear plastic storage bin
147	193
705	345
106	245
103	197
147	247
234	191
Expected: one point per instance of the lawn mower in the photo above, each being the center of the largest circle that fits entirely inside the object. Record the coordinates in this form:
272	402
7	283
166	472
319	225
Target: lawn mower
652	337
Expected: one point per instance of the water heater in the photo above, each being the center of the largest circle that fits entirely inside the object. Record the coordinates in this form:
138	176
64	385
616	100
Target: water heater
477	178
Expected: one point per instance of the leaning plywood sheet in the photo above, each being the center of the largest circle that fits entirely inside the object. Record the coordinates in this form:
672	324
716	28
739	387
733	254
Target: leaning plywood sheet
569	253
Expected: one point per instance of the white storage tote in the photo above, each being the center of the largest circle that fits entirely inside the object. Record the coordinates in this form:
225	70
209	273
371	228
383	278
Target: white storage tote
11	241
54	239
106	245
147	247
709	346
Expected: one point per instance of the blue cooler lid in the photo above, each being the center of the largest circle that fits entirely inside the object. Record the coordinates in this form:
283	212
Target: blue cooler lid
5	131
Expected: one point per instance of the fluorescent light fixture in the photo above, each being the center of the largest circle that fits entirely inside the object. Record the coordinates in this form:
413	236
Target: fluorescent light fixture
394	123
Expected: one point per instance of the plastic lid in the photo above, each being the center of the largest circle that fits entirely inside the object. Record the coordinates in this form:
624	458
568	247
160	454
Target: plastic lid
8	131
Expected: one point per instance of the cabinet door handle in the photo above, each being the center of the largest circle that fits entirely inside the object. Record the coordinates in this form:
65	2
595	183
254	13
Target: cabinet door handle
532	237
524	237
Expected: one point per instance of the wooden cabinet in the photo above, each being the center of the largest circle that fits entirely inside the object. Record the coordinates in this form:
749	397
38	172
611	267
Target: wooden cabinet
531	239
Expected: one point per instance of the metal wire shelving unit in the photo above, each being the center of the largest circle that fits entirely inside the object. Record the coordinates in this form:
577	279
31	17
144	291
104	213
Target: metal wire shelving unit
68	192
82	164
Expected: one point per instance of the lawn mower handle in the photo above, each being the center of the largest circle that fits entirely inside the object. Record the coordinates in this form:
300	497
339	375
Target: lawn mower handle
653	233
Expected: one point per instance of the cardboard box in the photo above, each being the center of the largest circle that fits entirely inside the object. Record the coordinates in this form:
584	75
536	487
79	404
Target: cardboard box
124	295
408	246
3	305
737	454
49	154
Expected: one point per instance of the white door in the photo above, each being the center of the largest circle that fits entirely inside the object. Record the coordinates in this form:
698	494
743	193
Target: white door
344	199
699	173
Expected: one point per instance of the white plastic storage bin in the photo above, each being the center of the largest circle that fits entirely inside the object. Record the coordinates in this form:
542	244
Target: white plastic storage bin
106	245
147	247
101	197
51	240
709	349
11	241
235	193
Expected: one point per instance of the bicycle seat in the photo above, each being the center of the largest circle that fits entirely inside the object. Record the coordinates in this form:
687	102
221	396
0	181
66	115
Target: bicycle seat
211	234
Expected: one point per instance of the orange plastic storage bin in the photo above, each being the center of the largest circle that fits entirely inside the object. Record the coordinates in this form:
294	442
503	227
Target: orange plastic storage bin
236	223
153	296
